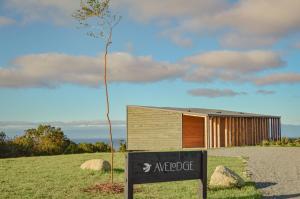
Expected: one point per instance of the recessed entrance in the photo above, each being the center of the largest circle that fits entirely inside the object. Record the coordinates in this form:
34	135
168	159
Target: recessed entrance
192	131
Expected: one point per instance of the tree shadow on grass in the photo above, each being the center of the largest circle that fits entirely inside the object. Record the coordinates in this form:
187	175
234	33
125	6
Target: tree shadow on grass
247	184
118	170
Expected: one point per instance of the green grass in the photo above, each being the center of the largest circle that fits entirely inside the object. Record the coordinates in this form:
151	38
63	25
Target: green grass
60	177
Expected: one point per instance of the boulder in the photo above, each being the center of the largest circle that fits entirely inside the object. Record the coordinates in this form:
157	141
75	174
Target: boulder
96	164
225	178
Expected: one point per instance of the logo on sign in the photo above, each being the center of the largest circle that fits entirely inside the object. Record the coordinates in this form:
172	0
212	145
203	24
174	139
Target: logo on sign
147	167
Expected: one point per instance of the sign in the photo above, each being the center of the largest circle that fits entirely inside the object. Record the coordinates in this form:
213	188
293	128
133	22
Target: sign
151	167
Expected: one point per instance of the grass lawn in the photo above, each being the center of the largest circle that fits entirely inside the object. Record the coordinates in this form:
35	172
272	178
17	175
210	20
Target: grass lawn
60	177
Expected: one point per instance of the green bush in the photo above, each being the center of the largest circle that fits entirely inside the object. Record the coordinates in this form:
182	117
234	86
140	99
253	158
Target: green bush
265	143
45	140
86	148
122	147
72	148
102	147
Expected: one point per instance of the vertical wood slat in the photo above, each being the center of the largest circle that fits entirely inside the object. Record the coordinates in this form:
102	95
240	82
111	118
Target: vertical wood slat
215	131
218	132
272	128
238	132
233	131
210	132
259	131
277	129
280	128
242	131
226	132
229	131
252	131
256	131
262	129
206	136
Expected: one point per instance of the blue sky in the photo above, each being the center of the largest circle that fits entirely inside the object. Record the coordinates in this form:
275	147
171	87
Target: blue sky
235	55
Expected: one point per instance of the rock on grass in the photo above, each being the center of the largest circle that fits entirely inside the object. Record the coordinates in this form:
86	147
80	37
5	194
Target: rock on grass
96	164
223	177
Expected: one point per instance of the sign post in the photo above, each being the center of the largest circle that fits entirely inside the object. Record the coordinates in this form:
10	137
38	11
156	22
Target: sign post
151	167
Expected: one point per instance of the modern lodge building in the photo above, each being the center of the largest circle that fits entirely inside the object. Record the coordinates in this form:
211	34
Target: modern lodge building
165	128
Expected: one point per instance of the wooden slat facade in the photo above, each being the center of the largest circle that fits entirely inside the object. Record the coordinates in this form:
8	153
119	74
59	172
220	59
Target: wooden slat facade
155	129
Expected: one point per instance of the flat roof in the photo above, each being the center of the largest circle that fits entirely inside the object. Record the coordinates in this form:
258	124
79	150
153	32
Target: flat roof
210	112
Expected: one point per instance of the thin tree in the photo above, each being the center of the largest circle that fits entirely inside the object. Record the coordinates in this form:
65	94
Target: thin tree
99	18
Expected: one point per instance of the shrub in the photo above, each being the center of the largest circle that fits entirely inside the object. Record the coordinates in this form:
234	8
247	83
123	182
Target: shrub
122	147
278	143
102	147
265	143
86	148
72	148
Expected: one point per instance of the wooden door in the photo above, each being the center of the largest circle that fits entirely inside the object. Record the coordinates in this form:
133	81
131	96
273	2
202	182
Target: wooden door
192	131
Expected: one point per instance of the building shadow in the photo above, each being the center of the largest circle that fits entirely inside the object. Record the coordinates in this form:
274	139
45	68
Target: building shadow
296	195
261	185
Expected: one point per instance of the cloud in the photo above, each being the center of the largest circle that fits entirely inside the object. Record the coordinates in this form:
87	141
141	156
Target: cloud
244	23
231	65
145	10
54	69
56	11
278	78
265	92
214	93
6	21
238	24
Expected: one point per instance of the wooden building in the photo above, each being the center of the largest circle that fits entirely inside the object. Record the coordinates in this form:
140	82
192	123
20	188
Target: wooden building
165	128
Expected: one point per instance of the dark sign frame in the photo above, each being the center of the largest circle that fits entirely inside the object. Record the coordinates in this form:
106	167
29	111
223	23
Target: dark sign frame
151	167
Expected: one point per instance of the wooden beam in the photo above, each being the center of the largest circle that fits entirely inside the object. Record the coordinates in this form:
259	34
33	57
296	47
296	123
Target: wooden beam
233	132
206	132
226	132
230	132
280	128
218	132
215	131
211	132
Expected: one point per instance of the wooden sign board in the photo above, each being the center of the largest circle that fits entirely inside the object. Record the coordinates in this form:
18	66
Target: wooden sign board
151	167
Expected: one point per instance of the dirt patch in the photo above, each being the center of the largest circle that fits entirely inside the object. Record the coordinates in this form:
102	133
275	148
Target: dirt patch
107	188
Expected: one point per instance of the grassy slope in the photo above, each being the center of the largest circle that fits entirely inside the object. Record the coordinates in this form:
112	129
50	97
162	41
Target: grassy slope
61	177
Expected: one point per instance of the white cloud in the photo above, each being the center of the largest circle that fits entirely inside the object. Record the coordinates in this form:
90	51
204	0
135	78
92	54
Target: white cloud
231	65
53	69
6	21
278	78
245	23
214	93
57	11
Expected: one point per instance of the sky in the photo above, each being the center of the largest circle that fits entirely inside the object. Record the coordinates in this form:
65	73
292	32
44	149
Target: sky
240	55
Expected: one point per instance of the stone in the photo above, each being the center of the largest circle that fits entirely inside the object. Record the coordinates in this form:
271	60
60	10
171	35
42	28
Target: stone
96	165
225	178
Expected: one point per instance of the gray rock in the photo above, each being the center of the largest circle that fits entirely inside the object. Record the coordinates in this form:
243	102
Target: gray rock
96	164
225	178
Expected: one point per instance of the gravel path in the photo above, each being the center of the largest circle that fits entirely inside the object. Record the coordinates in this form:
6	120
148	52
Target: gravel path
275	170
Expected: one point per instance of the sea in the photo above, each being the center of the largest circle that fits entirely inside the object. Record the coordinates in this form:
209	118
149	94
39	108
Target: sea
91	132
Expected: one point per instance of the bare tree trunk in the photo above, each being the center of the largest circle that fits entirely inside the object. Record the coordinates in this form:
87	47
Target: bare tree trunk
107	107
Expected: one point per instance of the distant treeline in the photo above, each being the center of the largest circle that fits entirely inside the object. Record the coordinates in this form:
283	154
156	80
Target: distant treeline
47	140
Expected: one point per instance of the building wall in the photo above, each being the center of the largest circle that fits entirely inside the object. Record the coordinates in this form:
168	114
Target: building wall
153	129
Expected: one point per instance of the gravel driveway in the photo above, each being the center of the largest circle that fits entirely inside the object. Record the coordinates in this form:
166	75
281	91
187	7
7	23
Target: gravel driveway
275	170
